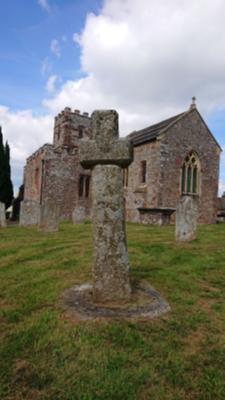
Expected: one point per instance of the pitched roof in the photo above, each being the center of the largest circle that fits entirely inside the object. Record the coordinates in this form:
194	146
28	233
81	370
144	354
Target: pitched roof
151	132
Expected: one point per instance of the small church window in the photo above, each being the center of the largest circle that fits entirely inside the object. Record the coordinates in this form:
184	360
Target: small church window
125	177
81	186
80	132
190	174
84	185
87	186
143	171
183	178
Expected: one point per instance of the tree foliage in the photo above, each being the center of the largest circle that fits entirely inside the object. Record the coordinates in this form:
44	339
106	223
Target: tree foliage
6	186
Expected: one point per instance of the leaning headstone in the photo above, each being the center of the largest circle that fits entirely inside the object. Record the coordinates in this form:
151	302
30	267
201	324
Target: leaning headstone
186	218
29	213
49	217
106	155
79	215
2	215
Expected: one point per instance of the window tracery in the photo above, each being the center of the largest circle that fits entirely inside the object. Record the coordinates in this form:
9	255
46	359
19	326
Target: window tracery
190	174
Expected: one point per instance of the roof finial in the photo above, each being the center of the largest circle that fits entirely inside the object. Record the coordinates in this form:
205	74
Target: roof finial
193	104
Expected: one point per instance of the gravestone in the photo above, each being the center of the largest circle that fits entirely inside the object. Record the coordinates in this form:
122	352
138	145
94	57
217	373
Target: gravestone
79	215
2	215
49	216
186	218
29	213
106	155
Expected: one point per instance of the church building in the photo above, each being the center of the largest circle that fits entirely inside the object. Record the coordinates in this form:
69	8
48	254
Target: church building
178	156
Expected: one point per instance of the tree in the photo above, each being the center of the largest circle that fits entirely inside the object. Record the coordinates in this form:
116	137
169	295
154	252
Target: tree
17	203
6	187
2	164
1	151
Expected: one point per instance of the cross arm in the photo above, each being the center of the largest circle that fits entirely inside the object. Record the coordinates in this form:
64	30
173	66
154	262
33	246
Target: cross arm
120	153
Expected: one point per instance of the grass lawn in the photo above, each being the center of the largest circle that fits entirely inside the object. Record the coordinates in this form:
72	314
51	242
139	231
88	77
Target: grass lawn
43	355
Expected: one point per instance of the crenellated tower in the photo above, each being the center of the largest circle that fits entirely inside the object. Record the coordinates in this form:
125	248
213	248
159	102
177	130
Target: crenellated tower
71	126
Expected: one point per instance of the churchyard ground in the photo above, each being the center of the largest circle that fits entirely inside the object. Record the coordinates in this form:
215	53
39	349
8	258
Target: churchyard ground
46	355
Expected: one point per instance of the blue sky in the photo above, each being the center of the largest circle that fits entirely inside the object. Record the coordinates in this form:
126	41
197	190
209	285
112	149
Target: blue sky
26	33
145	58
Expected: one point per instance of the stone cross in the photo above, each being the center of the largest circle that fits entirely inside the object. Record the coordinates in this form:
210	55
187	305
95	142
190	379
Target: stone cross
186	218
2	215
106	154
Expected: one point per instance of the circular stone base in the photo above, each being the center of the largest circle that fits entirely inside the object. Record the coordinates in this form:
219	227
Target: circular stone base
145	302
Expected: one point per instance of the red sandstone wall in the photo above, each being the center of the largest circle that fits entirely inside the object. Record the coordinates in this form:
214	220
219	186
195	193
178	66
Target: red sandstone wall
61	182
33	174
53	172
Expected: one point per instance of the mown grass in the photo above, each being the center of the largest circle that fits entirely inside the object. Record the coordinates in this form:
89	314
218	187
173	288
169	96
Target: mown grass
44	355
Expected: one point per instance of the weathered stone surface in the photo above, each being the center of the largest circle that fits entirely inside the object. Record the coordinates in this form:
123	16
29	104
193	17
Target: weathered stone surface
29	213
79	215
49	217
111	265
156	216
2	215
105	148
146	302
186	218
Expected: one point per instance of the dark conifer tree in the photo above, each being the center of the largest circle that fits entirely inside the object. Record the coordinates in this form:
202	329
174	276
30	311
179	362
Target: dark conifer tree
6	187
8	183
2	164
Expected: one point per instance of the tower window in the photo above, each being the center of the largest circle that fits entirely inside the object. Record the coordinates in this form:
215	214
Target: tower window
143	171
36	177
80	131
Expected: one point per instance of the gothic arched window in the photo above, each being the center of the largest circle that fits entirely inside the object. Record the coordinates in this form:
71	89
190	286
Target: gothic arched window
190	174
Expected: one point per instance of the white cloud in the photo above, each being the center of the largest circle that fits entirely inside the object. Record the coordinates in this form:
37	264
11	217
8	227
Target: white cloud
145	58
149	58
55	47
44	4
25	132
51	82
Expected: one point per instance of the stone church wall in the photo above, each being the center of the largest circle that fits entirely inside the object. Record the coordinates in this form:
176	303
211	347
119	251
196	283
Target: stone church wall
139	193
189	134
53	173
